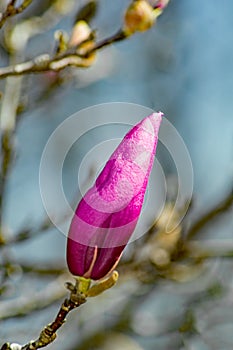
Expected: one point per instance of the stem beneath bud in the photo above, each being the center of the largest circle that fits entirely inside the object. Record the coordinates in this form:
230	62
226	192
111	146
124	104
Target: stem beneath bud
83	284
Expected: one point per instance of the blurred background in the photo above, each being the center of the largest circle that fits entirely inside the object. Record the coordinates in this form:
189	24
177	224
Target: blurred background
180	294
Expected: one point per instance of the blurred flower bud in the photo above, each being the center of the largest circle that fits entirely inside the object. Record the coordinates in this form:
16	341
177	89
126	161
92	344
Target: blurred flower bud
108	213
139	17
162	4
164	243
81	32
61	38
160	257
181	272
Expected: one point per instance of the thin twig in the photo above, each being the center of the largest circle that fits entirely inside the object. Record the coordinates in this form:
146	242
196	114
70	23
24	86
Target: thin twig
48	334
44	270
7	127
38	300
7	152
27	233
54	269
71	57
218	209
118	36
78	294
216	248
11	10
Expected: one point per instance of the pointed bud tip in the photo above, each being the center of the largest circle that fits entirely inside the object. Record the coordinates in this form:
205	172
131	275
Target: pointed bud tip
158	115
156	119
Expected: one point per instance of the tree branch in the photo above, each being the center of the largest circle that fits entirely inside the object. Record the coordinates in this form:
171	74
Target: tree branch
218	209
27	233
71	57
78	294
48	334
11	10
81	56
7	152
38	300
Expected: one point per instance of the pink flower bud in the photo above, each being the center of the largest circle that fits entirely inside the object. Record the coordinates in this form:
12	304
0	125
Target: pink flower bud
108	213
162	4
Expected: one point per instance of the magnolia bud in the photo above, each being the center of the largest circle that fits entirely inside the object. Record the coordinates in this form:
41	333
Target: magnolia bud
108	213
139	17
81	32
162	4
15	346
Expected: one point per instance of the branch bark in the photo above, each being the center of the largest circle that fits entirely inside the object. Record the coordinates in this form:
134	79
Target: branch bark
12	10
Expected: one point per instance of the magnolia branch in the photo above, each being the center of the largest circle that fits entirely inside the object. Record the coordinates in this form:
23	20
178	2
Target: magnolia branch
7	154
71	57
38	300
78	294
12	10
48	334
218	209
139	17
